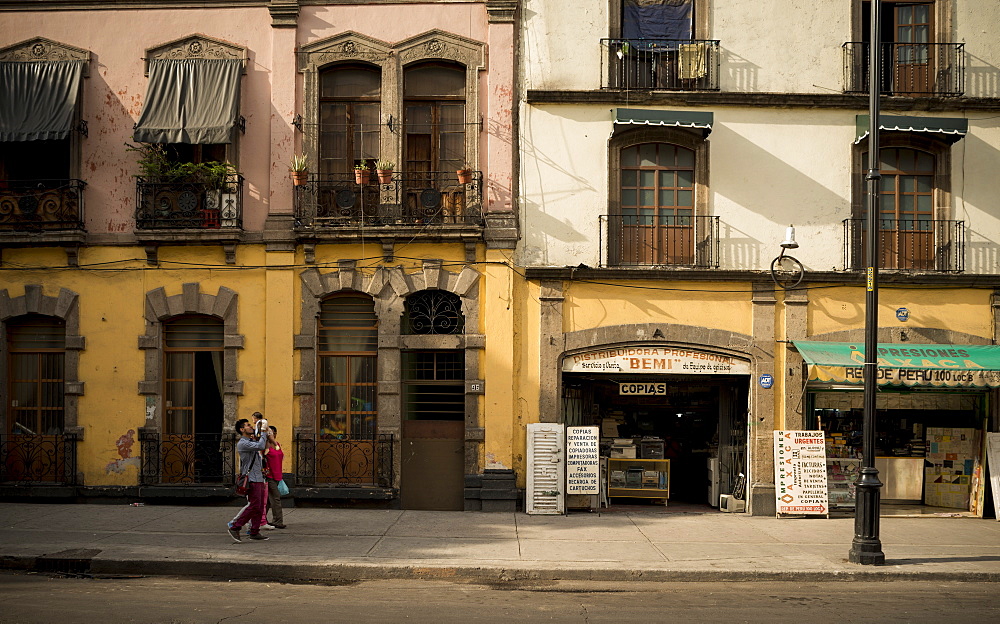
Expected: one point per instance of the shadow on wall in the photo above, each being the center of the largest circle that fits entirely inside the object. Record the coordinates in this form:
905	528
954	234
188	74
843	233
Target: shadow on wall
740	74
981	78
982	248
738	249
774	191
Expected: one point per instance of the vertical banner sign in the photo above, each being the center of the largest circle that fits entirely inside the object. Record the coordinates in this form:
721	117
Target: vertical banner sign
583	461
800	472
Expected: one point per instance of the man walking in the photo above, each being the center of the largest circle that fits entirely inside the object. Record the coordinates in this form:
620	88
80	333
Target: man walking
249	448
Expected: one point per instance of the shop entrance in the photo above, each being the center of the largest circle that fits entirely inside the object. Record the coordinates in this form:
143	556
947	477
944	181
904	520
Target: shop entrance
697	422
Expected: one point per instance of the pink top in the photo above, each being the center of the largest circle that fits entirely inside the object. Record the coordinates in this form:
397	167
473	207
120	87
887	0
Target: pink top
274	459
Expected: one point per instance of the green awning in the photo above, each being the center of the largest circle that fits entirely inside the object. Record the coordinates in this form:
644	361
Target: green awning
950	129
972	366
677	119
38	99
194	101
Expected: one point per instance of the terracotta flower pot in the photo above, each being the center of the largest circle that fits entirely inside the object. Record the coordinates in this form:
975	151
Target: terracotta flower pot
300	178
464	176
384	176
361	176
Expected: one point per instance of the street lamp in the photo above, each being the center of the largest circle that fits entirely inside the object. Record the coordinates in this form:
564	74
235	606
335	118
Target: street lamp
866	548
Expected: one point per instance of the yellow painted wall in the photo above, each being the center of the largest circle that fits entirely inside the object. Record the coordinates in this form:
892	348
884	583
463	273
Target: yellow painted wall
685	303
965	310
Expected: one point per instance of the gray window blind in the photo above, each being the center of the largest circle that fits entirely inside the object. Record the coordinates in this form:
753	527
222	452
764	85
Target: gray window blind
38	99
193	101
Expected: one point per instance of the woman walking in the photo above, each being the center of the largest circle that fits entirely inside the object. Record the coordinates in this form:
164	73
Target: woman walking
273	457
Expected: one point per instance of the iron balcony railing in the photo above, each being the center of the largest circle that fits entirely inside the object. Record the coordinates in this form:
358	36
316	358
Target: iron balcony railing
664	240
908	245
669	64
408	199
908	69
38	459
41	204
187	458
344	460
179	204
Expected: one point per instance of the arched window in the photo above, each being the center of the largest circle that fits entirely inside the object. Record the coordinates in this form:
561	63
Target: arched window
347	336
349	122
36	380
657	205
433	312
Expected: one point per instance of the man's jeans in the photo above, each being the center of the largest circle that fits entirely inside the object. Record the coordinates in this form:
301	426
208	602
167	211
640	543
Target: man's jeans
256	499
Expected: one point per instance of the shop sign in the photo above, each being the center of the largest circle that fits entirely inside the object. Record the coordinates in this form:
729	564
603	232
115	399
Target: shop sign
903	314
655	360
800	473
583	461
644	389
975	366
766	381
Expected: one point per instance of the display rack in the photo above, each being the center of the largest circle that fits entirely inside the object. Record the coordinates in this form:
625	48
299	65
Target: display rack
841	473
639	478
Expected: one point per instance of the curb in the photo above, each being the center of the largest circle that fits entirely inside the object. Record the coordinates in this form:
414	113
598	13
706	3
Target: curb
351	573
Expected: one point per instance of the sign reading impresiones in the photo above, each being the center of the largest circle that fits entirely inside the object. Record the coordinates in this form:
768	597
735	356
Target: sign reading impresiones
642	360
800	472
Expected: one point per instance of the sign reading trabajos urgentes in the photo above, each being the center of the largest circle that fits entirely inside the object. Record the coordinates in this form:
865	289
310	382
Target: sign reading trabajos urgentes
643	360
800	473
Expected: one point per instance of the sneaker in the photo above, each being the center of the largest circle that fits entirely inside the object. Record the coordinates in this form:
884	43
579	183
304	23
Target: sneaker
234	533
278	526
258	537
269	527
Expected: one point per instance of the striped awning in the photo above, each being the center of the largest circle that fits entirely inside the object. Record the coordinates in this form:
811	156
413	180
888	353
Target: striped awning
676	119
950	129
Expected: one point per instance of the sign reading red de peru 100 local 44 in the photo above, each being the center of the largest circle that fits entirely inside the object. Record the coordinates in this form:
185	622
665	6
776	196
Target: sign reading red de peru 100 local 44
800	473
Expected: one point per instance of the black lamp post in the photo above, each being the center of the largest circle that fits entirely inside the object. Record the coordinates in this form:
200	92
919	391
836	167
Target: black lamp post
866	548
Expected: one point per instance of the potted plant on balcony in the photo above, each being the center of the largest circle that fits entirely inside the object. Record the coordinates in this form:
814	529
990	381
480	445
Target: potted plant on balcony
361	172
464	174
299	169
384	170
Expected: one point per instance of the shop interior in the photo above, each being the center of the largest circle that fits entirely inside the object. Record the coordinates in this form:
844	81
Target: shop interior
928	449
664	439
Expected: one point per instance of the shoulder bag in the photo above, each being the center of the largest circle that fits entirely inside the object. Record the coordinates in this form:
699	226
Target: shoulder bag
243	481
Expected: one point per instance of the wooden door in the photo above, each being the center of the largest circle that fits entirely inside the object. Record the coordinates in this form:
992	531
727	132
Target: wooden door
432	465
913	60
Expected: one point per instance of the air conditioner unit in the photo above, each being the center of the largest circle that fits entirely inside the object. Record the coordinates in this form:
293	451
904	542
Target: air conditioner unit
730	504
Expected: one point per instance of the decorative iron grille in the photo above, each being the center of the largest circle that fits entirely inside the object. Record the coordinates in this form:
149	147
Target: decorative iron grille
433	312
660	64
660	240
344	460
908	68
176	204
41	459
409	199
41	204
192	459
908	245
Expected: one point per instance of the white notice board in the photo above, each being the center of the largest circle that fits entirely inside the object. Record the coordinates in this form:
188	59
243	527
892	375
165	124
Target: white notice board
800	473
993	466
583	461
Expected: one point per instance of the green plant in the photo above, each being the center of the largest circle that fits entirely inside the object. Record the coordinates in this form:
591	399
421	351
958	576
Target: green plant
385	165
156	165
299	163
361	165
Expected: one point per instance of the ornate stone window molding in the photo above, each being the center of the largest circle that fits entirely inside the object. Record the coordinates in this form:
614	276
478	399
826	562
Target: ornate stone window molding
196	46
161	307
391	59
64	306
389	287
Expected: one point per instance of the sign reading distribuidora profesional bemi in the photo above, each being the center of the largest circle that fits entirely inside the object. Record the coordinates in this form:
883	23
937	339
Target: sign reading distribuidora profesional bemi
655	360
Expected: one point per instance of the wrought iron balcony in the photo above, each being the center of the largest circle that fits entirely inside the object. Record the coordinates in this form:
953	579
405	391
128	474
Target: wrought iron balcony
344	460
41	205
656	241
408	199
908	245
191	459
180	204
38	459
660	64
908	69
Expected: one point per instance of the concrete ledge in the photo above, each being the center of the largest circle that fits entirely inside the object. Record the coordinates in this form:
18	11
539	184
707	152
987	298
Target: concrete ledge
344	493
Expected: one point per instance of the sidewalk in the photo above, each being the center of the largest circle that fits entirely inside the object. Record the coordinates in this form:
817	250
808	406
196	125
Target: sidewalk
616	545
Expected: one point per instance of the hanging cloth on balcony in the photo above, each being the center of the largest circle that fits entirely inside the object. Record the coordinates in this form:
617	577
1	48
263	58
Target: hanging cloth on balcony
195	101
676	119
656	19
970	366
947	129
38	99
